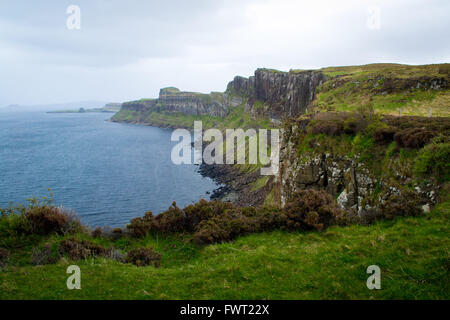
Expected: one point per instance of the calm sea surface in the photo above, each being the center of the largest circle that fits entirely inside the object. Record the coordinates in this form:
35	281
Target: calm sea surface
108	173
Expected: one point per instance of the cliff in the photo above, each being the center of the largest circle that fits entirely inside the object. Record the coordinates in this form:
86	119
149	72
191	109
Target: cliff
331	120
278	95
366	162
268	94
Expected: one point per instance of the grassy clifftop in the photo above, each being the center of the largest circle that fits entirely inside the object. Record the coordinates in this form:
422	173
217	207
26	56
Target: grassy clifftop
391	88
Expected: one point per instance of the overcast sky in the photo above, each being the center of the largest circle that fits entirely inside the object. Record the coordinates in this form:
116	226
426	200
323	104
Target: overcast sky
127	50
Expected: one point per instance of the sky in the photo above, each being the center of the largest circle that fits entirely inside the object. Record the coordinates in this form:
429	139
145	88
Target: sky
127	50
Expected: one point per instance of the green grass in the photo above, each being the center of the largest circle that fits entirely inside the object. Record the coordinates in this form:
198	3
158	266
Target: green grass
349	87
411	252
260	183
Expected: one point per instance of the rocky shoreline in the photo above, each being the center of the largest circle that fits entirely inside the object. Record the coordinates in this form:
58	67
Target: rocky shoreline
235	186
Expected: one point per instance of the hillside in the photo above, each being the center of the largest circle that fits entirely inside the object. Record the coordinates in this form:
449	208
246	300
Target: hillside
412	253
392	89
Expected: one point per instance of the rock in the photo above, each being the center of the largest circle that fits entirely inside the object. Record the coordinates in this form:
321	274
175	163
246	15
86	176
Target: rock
286	94
426	208
342	200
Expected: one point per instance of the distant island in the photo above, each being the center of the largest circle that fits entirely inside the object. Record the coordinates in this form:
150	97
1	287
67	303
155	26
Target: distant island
108	108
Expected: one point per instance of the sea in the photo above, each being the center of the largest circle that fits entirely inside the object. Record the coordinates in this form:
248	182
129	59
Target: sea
107	173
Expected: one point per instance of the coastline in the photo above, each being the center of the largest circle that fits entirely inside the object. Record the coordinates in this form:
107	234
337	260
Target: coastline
235	185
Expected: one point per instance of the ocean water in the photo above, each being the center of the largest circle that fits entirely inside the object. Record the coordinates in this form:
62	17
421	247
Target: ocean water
108	173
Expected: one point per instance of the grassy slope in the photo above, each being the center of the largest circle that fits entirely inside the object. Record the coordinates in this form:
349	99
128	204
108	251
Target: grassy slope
411	252
237	118
349	87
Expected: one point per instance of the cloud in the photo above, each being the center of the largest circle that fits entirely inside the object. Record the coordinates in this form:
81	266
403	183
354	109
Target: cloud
128	50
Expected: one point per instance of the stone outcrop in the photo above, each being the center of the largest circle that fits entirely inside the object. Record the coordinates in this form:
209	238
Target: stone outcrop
277	94
353	185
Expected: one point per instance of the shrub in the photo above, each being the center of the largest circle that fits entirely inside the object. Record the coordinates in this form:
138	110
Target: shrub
144	257
271	218
311	209
4	257
434	160
38	218
97	233
80	249
404	204
171	221
45	220
117	233
235	222
328	127
213	230
73	222
384	135
204	210
414	138
141	227
352	126
47	254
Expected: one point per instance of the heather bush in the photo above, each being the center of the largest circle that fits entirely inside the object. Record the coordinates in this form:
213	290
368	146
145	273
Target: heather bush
328	127
404	204
39	217
4	257
97	233
44	220
414	138
171	221
271	218
144	257
80	249
231	224
311	209
384	135
46	254
116	234
212	231
141	227
204	210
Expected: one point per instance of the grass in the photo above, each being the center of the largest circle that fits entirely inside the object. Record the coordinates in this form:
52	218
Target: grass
237	118
349	87
411	252
260	183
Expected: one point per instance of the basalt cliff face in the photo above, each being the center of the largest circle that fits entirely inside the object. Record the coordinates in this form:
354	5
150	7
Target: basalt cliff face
274	94
172	100
364	170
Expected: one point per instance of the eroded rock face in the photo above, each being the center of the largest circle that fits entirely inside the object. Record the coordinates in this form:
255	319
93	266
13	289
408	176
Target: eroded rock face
287	94
274	94
215	104
348	180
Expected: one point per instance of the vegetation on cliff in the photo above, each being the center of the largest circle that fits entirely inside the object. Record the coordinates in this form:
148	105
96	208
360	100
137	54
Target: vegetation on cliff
411	252
391	88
